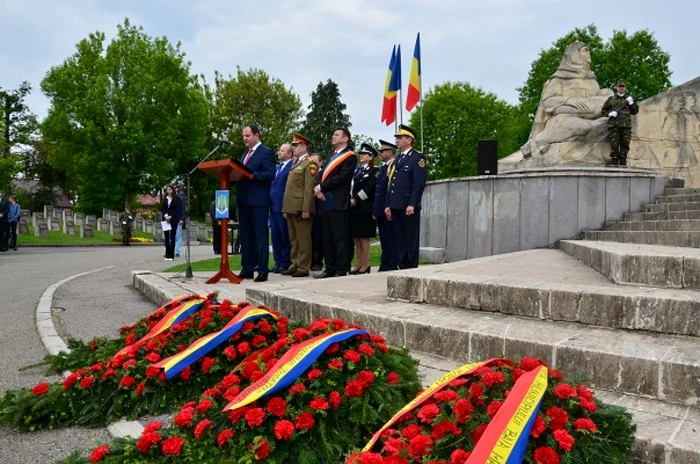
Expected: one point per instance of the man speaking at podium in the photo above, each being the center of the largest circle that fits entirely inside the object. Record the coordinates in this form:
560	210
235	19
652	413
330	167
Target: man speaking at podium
253	200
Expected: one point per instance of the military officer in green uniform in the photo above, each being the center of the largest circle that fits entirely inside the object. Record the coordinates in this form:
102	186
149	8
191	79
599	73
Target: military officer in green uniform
299	206
619	109
126	219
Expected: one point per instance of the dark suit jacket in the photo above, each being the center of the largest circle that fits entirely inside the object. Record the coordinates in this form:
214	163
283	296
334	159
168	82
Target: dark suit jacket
380	192
363	188
338	182
173	210
256	192
278	186
4	210
407	185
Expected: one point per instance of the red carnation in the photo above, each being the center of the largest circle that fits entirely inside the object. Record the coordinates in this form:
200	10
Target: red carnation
538	427
232	393
352	356
382	347
99	453
70	380
366	378
445	395
277	406
229	380
392	378
411	431
584	393
109	373
202	427
546	455
258	340
257	375
212	392
370	458
353	389
459	456
588	405
493	408
223	437
305	421
87	383
333	348
366	349
243	348
462	409
443	428
262	450
458	382
173	446
130	339
41	388
152	371
335	364
517	373
264	326
297	388
428	412
314	374
419	446
284	430
478	432
558	418
529	364
564	391
254	417
204	406
564	440
477	391
207	364
585	424
319	404
185	374
230	353
96	367
140	387
126	381
300	334
144	443
184	417
491	378
247	326
555	374
335	399
152	427
393	445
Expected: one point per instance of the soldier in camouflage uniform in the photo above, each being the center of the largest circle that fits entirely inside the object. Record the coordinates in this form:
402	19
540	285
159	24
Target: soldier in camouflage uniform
126	219
619	109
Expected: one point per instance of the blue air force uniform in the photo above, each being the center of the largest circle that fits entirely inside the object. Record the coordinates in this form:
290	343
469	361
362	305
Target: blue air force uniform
407	177
389	260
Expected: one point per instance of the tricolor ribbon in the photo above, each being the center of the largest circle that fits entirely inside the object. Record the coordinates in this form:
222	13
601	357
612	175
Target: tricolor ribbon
505	439
335	163
290	366
203	345
178	314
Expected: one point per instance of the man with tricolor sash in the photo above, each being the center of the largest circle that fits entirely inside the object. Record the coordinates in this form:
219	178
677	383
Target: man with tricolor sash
333	189
407	177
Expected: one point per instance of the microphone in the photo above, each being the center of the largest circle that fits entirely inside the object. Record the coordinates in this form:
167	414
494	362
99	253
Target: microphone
225	142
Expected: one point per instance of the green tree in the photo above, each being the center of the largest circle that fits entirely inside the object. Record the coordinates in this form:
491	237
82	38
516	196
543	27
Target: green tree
359	139
326	113
19	130
455	117
637	58
127	117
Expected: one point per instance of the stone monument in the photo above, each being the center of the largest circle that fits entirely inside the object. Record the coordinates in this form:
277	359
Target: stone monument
37	218
148	226
69	226
23	226
92	220
48	210
41	230
103	225
86	231
55	224
79	219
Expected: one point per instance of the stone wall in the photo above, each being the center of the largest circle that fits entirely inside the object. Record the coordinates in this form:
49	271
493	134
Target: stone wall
489	215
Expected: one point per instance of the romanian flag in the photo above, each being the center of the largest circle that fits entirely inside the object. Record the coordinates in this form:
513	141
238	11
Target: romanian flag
394	87
389	104
414	87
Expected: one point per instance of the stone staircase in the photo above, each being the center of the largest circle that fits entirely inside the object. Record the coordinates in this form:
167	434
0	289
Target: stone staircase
621	307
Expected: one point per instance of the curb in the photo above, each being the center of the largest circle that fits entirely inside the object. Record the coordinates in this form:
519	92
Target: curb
55	344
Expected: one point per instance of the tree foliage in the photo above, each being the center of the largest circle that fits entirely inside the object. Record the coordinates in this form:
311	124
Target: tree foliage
455	117
123	119
637	58
19	130
326	113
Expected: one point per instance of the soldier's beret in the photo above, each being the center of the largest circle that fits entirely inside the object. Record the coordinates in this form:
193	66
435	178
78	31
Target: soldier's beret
384	145
405	130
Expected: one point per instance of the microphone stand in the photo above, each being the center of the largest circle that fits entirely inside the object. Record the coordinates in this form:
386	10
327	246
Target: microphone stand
188	270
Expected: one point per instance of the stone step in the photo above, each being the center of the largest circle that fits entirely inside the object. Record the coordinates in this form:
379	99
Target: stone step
662	429
678	225
661	216
628	263
657	366
681	191
681	206
690	198
666	238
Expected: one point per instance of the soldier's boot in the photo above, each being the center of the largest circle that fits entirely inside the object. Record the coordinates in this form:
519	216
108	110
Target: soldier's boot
623	160
615	159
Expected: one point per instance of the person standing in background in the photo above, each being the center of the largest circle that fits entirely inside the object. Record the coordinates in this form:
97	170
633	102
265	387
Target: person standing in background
13	218
362	225
389	260
171	210
317	226
181	223
216	228
281	247
253	199
4	222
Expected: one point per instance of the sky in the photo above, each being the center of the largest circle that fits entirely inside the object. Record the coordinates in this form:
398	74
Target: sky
487	43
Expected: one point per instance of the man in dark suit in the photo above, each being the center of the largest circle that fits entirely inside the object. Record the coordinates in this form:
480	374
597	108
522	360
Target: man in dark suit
389	260
333	190
281	247
4	222
407	177
253	200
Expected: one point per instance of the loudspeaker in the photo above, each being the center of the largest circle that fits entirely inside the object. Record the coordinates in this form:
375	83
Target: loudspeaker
487	158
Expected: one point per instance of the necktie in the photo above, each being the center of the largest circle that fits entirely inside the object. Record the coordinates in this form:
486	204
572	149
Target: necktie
247	157
279	168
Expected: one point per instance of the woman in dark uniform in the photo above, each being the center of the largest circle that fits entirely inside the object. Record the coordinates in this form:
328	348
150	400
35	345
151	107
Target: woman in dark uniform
171	210
362	226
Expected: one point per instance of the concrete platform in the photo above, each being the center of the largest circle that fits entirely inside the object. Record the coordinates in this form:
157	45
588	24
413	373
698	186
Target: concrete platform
630	263
678	225
662	215
665	238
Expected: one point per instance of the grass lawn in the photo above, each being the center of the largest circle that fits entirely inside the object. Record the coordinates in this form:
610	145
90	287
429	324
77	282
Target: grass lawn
375	254
59	238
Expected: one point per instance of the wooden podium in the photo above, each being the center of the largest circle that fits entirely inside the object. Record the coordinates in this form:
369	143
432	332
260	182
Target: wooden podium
227	171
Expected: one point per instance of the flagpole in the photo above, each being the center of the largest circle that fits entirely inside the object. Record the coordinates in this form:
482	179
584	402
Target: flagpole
420	85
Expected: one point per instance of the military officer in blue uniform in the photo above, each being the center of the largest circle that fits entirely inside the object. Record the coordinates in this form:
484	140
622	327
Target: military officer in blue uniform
389	260
407	176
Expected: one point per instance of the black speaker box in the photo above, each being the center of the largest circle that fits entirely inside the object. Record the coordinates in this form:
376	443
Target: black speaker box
487	158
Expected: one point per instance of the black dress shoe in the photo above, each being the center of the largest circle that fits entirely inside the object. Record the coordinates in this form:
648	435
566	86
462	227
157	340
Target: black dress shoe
354	272
324	275
260	278
289	271
341	274
240	275
276	270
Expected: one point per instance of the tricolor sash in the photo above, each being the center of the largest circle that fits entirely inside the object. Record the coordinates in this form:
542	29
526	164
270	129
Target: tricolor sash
505	439
203	345
174	316
290	366
426	394
333	165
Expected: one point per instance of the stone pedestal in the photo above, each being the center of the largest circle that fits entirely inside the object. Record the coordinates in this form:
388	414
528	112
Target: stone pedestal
41	230
92	220
105	213
79	219
25	213
23	226
55	224
138	224
148	226
37	218
103	225
67	214
86	231
48	210
69	227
